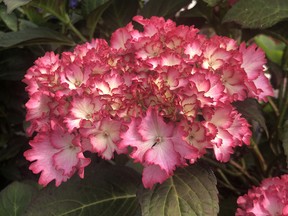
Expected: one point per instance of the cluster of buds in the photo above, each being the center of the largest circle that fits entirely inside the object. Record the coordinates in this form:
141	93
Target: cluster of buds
270	198
163	95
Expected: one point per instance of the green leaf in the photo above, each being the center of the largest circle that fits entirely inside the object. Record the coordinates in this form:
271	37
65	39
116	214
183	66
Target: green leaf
13	4
212	3
190	191
273	49
15	198
120	13
94	17
9	19
164	8
106	190
89	5
251	110
257	13
33	36
56	8
285	140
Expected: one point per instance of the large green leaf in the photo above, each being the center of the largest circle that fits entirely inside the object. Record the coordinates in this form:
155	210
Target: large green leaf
285	141
15	198
251	110
164	8
33	36
105	191
13	4
257	13
189	192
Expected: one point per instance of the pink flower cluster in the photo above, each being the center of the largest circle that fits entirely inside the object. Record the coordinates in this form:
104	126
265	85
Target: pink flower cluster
269	199
164	92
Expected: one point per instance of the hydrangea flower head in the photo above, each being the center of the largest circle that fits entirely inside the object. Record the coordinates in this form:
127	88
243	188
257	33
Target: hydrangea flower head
270	198
165	92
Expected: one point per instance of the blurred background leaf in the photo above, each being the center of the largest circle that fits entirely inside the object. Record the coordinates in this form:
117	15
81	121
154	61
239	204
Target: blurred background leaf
31	36
56	8
13	4
9	19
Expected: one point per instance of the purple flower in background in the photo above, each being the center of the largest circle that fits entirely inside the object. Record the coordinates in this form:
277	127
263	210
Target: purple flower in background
73	3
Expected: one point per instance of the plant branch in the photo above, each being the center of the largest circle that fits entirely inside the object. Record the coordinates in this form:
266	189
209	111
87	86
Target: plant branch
259	156
244	172
274	106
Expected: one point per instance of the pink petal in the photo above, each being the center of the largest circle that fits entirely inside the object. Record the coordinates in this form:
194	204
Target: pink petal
223	147
119	38
163	155
99	142
153	174
153	126
37	106
253	60
264	87
42	154
66	160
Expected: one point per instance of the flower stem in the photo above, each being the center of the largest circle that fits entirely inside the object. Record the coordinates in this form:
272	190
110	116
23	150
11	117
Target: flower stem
221	167
259	156
274	106
226	183
283	98
284	108
244	172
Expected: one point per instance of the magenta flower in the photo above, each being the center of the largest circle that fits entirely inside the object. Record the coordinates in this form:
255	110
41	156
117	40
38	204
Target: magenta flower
166	93
270	198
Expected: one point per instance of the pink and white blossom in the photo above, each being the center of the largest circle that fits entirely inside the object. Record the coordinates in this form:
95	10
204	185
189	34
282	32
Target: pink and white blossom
270	198
165	92
55	156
